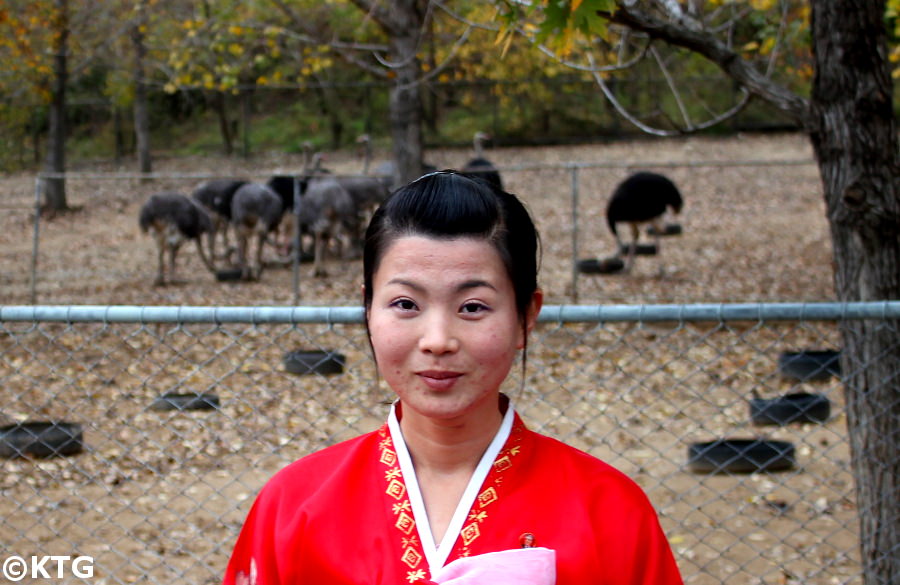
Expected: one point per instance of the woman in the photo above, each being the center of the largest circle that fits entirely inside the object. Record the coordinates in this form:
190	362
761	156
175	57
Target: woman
453	488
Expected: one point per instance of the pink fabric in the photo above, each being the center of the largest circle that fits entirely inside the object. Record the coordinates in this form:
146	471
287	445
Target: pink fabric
522	566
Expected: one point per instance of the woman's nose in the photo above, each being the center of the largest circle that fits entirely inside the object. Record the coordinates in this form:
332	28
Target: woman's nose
439	335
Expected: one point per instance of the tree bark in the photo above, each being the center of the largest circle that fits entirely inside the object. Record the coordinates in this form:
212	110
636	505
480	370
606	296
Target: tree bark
854	135
403	22
141	116
220	105
55	188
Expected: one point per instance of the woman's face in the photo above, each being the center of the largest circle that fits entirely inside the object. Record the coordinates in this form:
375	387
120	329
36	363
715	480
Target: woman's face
444	325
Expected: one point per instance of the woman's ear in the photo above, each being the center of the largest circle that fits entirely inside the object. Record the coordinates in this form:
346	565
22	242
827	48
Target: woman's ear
534	309
531	315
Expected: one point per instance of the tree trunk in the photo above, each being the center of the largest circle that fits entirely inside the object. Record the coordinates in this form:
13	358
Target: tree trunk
119	135
141	117
220	105
55	188
405	100
854	135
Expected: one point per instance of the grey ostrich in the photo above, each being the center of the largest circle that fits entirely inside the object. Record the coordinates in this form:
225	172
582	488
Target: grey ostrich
173	219
256	211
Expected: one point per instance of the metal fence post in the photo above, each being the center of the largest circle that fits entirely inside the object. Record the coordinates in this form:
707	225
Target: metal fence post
574	169
38	184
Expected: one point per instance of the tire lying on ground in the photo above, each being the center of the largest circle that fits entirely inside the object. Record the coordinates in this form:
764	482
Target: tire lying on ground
740	456
640	249
229	274
799	407
304	362
186	401
810	365
609	265
670	229
41	439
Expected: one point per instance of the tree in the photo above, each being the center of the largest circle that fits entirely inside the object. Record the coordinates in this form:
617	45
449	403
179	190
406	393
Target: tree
850	121
55	188
141	113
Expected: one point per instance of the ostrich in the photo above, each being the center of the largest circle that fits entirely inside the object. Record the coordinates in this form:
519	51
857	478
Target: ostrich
328	213
216	195
480	166
174	218
641	198
287	187
366	145
256	211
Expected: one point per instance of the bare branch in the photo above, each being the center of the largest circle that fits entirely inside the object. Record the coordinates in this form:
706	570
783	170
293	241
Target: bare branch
610	96
672	88
727	59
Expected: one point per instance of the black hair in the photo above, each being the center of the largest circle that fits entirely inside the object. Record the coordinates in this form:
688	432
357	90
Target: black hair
448	204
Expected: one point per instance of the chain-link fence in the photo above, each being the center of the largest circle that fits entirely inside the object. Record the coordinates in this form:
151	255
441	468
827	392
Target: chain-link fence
167	420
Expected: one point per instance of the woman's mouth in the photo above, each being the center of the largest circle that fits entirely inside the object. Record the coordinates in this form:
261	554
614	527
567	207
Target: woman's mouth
438	379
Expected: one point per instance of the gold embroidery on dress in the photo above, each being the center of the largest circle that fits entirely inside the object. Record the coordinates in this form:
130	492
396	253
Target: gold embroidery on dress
388	457
396	489
502	463
470	533
411	541
413	576
488	496
477	516
411	557
405	523
401	507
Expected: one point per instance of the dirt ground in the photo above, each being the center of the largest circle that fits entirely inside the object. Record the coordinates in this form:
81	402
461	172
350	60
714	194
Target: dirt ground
160	497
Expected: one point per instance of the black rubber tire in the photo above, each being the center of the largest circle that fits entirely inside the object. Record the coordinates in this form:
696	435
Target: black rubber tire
186	401
641	250
810	365
610	265
229	274
670	229
305	362
41	439
799	407
740	456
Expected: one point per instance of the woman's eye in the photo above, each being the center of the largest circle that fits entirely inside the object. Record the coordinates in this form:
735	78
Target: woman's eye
472	308
404	305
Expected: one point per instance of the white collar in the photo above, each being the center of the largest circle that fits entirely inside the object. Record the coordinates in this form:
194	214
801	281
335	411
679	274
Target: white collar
437	555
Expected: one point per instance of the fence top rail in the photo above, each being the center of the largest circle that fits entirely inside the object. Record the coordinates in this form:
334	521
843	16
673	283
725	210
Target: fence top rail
625	164
699	312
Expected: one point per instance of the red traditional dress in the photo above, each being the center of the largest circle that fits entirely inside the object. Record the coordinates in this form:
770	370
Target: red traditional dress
352	514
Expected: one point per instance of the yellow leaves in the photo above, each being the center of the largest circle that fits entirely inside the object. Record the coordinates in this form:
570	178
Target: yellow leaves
762	5
236	30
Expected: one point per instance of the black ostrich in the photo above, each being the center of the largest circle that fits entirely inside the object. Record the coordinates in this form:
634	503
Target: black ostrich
174	218
480	166
216	195
642	198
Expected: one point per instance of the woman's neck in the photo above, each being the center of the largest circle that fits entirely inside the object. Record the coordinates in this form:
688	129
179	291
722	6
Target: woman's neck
448	447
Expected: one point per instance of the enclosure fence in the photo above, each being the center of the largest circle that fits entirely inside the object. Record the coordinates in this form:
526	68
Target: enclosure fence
138	437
